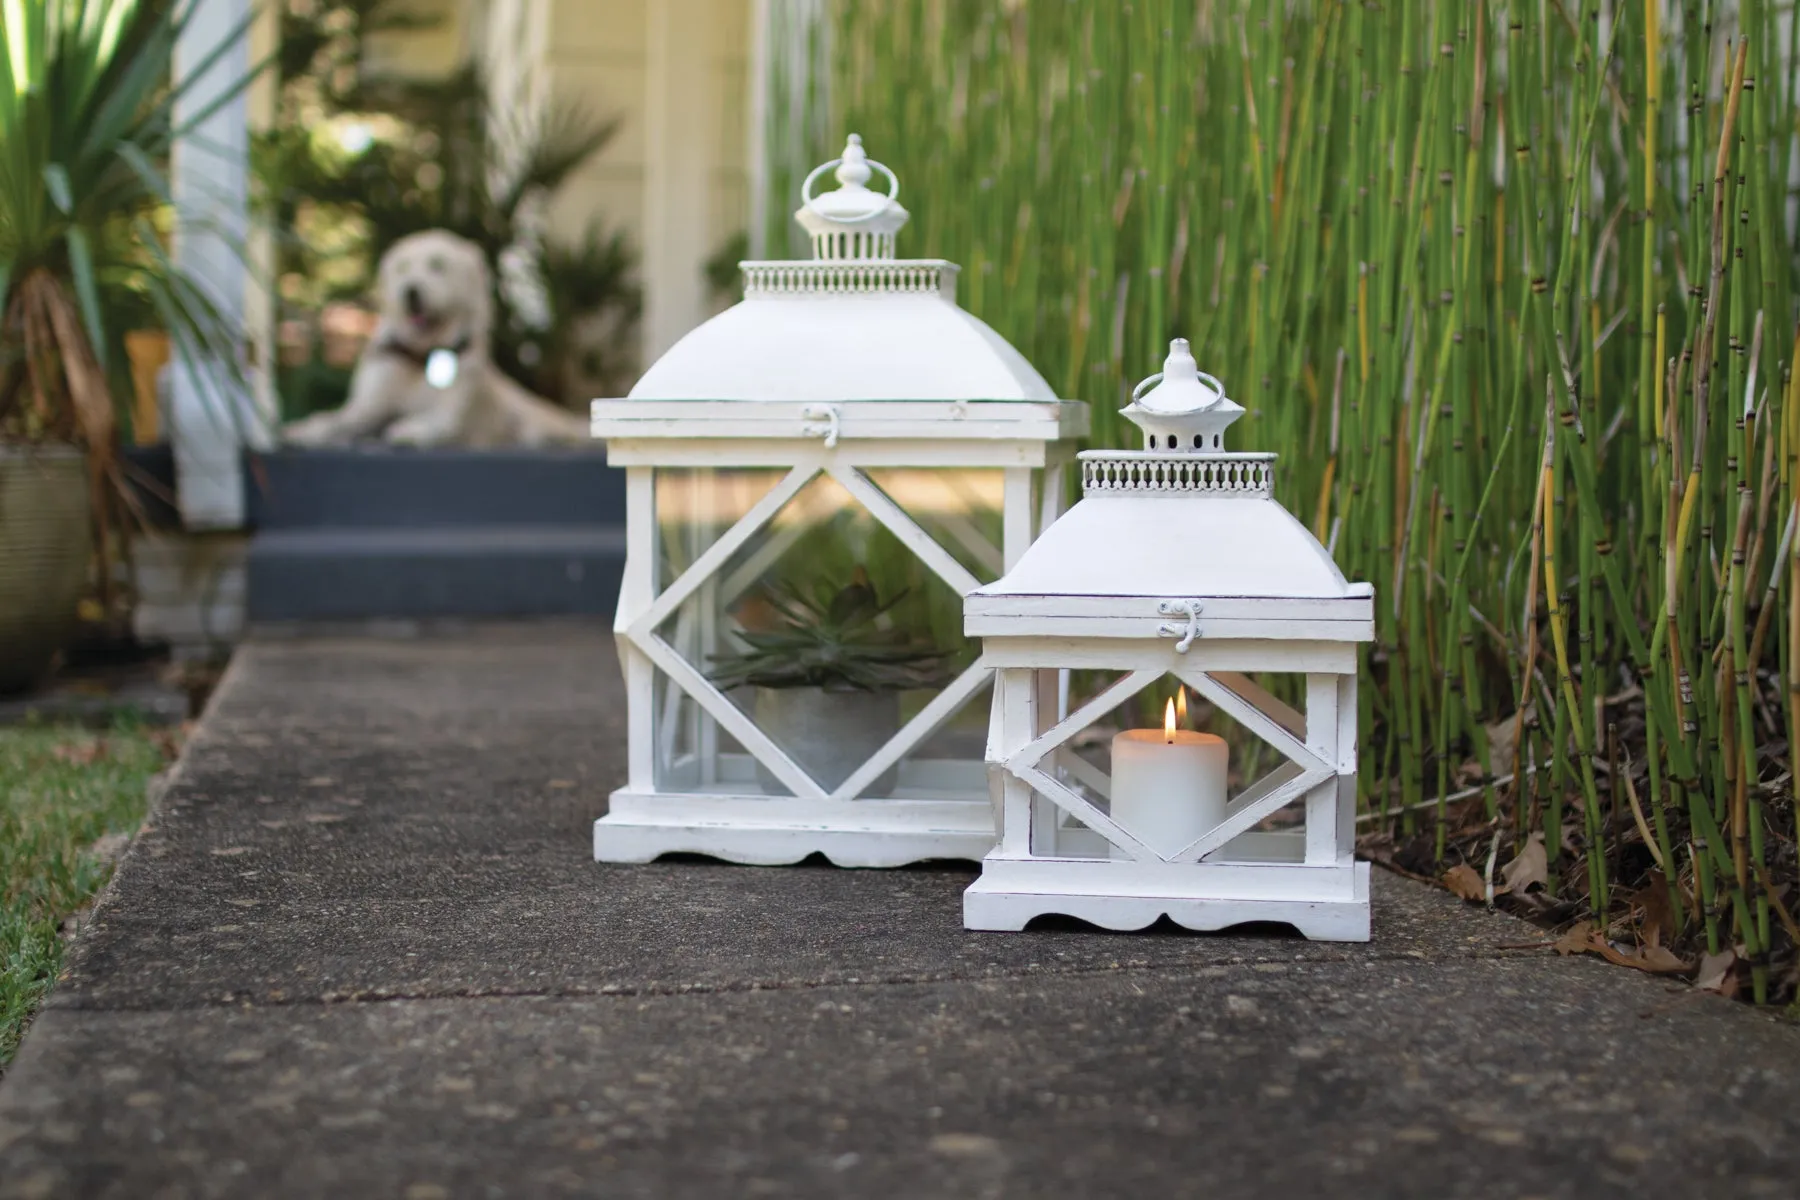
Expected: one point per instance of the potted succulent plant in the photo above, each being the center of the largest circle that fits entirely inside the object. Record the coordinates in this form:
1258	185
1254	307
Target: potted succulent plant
827	669
86	104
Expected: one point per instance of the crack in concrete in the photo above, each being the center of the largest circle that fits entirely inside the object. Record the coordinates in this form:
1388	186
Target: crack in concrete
659	990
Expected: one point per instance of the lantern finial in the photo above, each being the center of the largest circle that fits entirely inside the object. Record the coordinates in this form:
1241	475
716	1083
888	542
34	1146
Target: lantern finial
852	221
853	171
1182	409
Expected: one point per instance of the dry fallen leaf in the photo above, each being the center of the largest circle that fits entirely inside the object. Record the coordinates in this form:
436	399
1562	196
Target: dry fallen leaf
1466	882
1659	920
1500	741
1529	866
1656	960
1577	939
1715	974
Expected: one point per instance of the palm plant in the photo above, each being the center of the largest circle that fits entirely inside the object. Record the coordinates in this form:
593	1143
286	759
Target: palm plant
86	125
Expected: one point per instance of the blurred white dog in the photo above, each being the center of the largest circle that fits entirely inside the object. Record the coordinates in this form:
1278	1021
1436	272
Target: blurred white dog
427	377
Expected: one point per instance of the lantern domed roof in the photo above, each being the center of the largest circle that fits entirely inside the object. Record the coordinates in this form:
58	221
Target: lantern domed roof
1143	545
851	323
1178	519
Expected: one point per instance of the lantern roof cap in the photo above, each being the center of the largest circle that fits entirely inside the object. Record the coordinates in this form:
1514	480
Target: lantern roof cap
1180	387
1182	400
852	209
851	323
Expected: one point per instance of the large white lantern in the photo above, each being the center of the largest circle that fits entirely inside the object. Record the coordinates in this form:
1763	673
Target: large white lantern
1177	574
816	477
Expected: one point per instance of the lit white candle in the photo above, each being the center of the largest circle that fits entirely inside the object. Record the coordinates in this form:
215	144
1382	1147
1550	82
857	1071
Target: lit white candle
1168	784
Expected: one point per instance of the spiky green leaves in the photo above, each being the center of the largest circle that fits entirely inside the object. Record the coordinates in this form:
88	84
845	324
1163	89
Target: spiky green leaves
824	635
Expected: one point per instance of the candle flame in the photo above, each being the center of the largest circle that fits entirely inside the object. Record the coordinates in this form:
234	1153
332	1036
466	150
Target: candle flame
1169	720
1181	706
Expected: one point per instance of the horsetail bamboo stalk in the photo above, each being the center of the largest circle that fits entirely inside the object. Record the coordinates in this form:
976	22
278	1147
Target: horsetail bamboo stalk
1390	229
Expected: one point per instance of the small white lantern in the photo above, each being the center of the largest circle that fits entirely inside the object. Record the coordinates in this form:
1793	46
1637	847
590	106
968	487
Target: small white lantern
1177	566
815	479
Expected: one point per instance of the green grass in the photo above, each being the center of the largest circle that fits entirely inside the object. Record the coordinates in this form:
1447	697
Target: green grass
61	790
1489	275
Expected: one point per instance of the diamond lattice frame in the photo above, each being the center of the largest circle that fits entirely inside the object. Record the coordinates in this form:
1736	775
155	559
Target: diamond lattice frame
1274	722
642	632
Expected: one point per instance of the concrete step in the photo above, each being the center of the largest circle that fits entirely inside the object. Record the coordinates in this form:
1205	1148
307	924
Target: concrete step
373	532
327	574
389	488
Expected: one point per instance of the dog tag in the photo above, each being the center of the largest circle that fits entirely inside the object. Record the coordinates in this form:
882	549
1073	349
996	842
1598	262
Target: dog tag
440	368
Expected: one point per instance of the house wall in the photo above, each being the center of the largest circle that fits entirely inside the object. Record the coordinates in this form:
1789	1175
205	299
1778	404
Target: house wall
673	72
429	51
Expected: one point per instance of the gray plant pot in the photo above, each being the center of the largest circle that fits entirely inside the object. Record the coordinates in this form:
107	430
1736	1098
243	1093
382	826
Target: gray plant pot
46	540
828	732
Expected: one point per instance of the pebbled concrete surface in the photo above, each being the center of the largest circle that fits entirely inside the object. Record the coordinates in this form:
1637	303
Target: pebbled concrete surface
362	950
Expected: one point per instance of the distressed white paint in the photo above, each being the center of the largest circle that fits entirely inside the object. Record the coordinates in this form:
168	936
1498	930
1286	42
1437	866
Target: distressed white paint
1177	561
832	367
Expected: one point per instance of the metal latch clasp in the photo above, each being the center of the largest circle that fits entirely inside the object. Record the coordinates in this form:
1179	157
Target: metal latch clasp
1187	633
813	415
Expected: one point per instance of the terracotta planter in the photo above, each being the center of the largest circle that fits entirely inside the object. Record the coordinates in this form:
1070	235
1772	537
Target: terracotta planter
46	541
829	733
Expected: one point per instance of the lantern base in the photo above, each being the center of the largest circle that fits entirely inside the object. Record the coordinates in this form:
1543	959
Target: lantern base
773	831
1324	903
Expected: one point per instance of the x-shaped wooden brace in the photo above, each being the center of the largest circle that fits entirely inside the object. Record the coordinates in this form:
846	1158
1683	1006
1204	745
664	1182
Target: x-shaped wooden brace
1274	722
643	633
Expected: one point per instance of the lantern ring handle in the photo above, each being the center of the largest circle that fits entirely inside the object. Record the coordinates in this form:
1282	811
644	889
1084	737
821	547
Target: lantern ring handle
1138	391
887	201
1188	608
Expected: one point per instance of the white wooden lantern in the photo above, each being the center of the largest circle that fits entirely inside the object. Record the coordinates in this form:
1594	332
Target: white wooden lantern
1177	565
847	414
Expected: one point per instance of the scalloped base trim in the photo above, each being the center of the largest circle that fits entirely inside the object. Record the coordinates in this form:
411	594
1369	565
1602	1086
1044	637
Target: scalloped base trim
619	840
987	906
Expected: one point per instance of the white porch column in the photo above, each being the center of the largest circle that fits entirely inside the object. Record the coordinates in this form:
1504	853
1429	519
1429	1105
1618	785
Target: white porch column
683	47
209	420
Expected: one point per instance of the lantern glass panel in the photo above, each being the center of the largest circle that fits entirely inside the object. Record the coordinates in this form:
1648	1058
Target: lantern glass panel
958	508
1189	756
822	628
697	506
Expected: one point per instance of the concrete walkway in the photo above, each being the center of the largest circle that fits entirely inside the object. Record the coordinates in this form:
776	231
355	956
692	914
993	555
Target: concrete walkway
362	951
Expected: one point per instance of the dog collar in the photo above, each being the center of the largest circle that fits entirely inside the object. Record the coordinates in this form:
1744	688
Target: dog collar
440	363
419	358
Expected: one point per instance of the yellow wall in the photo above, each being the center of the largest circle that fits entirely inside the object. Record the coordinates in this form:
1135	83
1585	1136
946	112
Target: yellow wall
680	65
431	51
598	56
